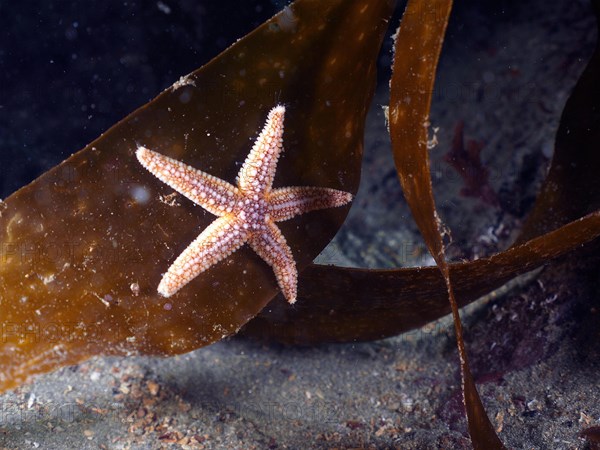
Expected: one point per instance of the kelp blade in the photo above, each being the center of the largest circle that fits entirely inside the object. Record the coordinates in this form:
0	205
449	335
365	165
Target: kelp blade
85	244
572	186
338	304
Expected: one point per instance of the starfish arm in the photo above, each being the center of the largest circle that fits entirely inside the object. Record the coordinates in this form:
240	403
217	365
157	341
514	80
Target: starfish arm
272	247
213	194
258	170
289	202
219	240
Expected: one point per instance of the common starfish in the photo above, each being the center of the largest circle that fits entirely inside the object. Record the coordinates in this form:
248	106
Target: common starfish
246	213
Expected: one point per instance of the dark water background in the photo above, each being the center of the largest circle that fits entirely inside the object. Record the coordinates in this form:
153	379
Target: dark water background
70	70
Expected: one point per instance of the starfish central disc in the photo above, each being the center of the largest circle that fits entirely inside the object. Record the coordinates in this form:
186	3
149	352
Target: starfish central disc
247	212
254	211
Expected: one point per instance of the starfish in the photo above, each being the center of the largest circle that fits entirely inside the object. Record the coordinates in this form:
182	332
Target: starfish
247	212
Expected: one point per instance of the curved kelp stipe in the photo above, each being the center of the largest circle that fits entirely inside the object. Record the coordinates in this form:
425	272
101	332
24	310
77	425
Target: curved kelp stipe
417	51
87	242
